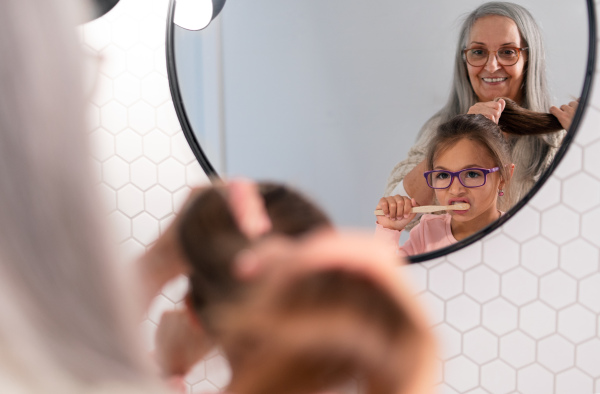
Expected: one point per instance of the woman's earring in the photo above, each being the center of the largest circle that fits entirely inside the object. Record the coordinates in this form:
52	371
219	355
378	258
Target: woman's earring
500	192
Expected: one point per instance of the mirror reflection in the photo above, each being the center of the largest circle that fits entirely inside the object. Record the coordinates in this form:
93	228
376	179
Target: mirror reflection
333	98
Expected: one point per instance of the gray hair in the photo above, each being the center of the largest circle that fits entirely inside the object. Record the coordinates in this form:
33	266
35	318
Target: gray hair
531	154
61	320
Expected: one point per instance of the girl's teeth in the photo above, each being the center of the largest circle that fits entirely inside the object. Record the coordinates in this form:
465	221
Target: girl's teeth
494	79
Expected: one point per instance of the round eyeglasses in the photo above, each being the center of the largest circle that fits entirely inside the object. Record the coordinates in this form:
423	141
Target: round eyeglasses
506	56
469	177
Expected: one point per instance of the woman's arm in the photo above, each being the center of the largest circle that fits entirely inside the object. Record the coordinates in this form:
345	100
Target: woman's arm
416	186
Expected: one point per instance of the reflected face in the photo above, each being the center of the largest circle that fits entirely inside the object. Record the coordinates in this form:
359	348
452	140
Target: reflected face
468	154
493	79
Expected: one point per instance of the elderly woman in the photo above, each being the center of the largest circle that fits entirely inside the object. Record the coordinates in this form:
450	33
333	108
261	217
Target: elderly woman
499	54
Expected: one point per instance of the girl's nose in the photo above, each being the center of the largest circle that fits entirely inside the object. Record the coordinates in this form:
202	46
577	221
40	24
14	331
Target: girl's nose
456	187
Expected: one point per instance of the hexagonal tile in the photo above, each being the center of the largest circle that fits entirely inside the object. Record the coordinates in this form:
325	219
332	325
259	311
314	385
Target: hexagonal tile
103	91
525	225
537	319
547	196
103	144
499	316
591	159
115	172
181	150
449	341
182	195
517	349
445	389
197	374
588	357
217	371
590	226
152	31
167	120
535	379
433	306
125	31
519	286
131	250
158	202
195	176
579	258
108	196
176	289
539	255
171	174
463	313
159	305
482	283
145	229
415	274
570	164
155	89
127	88
140	60
558	289
576	323
560	224
586	134
480	345
148	333
120	226
157	146
556	353
160	60
93	117
501	253
204	387
129	145
141	117
497	377
589	292
96	34
113	61
143	173
461	373
445	281
574	198
113	117
130	200
573	381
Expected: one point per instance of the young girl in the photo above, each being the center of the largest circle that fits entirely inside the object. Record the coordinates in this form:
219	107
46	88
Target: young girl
469	162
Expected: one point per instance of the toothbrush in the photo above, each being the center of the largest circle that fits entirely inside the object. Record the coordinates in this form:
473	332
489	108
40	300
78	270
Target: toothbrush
433	208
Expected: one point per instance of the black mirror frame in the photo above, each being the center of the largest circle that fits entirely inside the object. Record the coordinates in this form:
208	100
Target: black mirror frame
583	102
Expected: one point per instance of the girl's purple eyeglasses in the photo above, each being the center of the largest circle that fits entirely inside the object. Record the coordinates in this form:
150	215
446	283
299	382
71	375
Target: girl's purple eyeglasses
469	177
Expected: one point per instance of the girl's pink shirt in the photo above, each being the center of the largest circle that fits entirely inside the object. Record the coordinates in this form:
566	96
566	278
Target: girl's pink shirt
432	233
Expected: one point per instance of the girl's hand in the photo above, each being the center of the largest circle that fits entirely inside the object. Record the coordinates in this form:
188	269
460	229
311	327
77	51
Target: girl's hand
565	113
397	211
490	109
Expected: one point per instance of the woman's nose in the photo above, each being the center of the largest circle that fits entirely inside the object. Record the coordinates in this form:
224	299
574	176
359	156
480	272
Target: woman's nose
492	64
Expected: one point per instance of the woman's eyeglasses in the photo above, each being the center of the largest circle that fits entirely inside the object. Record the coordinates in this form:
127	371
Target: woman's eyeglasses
469	177
506	56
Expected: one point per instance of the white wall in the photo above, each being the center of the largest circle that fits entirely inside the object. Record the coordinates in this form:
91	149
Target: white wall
516	312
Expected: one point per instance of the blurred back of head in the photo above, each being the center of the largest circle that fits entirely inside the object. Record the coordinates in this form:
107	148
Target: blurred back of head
211	238
60	318
316	332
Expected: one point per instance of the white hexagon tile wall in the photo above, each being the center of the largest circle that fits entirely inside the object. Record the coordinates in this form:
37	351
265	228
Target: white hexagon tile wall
518	312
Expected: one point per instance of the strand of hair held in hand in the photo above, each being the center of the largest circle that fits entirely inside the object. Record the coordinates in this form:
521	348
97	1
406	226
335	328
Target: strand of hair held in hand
520	121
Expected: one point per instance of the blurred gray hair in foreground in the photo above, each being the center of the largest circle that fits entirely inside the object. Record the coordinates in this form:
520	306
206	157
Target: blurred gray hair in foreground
61	328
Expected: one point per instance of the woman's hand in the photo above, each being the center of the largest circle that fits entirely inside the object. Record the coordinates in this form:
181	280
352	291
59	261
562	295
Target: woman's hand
180	343
490	109
397	211
565	113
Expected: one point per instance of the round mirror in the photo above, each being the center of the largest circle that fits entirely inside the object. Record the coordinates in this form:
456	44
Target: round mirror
329	97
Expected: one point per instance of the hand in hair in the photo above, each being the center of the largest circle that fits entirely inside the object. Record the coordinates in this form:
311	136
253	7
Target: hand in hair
490	109
565	113
180	343
397	211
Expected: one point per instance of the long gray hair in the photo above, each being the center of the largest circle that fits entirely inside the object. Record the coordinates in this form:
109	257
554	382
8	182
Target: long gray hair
531	154
61	325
